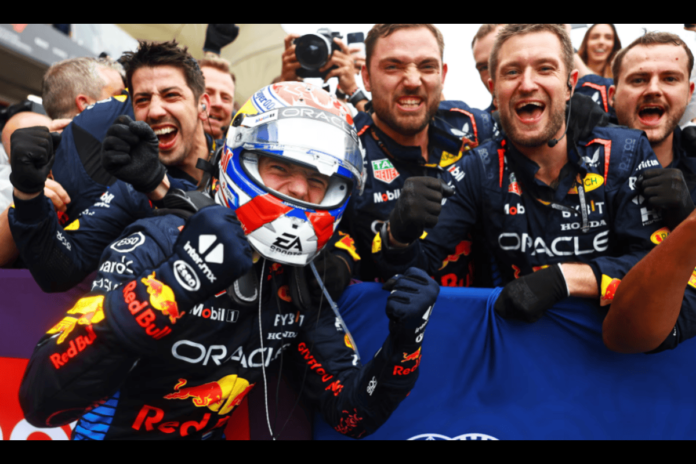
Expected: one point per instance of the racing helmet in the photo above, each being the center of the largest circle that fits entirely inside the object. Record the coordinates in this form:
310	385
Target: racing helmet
302	125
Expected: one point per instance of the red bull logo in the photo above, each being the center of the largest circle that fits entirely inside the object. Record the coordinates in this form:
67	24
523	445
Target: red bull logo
294	93
464	248
162	298
415	356
346	340
221	396
284	293
348	244
91	312
609	287
660	235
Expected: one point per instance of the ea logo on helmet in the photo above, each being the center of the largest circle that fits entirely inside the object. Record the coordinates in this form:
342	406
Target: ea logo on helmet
287	242
466	436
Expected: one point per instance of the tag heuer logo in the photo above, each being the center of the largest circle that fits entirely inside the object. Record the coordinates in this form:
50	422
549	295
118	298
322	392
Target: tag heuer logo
384	171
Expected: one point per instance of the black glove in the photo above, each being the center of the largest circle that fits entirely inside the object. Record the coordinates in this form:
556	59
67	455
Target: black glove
335	273
209	255
218	36
666	189
418	207
528	297
408	306
32	156
689	140
130	152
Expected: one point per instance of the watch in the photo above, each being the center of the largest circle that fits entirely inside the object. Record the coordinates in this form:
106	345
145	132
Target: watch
357	97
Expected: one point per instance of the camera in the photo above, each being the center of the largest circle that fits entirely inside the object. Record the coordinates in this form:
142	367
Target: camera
314	50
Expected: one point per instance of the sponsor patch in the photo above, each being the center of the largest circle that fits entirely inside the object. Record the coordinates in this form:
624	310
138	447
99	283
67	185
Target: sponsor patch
384	171
128	244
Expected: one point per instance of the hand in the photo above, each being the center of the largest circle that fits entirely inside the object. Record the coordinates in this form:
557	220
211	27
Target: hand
290	63
666	189
418	208
130	152
345	70
358	54
57	194
209	255
335	273
529	297
408	306
218	36
32	156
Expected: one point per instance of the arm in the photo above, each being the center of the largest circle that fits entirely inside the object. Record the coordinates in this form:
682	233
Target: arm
59	259
451	224
356	400
110	331
649	299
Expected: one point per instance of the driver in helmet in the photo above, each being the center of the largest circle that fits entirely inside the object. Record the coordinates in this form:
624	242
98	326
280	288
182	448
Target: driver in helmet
206	305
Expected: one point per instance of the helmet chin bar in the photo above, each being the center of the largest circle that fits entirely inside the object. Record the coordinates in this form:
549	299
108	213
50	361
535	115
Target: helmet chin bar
336	194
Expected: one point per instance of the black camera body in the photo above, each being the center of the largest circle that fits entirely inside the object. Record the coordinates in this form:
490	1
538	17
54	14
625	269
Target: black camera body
315	50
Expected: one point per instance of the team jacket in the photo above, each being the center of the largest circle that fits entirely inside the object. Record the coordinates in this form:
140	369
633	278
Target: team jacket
528	225
131	364
388	165
597	88
60	258
78	166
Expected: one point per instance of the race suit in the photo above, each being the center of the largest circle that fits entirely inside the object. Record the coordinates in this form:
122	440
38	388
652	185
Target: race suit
78	166
388	165
529	225
61	258
597	88
130	365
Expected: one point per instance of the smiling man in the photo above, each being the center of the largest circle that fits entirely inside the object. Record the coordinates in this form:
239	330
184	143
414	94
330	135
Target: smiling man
651	94
168	97
411	138
558	209
220	86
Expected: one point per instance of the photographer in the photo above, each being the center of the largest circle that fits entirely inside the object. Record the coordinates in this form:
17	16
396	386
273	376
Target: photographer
347	66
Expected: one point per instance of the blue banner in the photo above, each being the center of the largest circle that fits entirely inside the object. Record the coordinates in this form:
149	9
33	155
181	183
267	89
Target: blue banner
486	378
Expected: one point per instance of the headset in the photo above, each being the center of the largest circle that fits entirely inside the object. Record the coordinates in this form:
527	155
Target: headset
553	142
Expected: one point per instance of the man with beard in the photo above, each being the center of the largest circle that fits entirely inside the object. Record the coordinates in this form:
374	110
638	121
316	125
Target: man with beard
168	96
558	210
411	138
652	91
651	94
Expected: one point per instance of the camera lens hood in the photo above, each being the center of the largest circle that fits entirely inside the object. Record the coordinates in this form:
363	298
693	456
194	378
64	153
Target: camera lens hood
313	51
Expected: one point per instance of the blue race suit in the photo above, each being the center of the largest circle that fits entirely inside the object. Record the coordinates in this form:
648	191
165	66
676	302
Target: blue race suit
131	364
597	88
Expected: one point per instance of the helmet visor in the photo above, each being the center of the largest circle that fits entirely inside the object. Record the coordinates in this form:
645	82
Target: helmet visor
311	137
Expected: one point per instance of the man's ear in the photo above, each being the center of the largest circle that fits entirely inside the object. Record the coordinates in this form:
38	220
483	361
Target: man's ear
366	78
572	82
203	107
612	93
691	92
444	73
491	88
82	102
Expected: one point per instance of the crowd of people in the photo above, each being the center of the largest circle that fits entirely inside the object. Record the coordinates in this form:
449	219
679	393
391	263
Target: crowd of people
222	234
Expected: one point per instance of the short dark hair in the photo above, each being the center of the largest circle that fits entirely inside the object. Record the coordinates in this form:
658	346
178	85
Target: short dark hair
150	54
511	30
652	38
483	31
385	30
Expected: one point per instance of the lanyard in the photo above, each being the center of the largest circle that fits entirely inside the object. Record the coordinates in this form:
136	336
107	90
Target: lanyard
557	206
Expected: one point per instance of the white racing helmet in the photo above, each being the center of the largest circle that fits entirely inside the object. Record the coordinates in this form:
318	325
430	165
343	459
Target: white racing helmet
299	124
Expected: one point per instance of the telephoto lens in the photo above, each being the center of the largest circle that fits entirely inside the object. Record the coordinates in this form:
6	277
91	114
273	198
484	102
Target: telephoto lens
312	51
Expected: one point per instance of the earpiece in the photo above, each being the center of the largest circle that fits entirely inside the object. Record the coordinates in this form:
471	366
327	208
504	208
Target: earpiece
570	86
205	107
